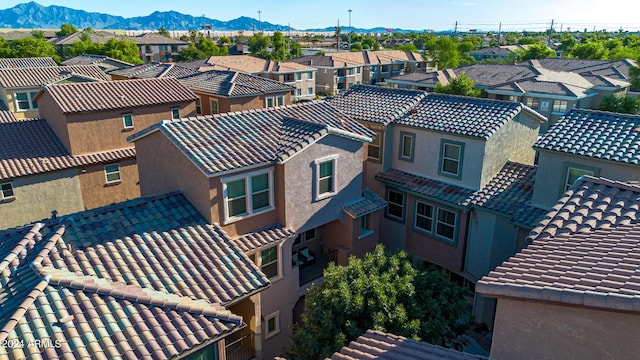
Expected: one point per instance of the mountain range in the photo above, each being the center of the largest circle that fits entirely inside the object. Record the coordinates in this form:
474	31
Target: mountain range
32	15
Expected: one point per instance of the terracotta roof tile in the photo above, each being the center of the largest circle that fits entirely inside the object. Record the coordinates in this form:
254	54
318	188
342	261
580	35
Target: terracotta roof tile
368	203
40	76
585	251
596	134
378	345
90	59
156	39
30	147
263	238
102	96
27	62
375	104
236	140
5	114
233	84
155	70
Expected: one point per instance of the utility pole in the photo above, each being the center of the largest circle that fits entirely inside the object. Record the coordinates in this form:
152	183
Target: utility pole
550	32
259	20
338	37
350	30
499	32
455	31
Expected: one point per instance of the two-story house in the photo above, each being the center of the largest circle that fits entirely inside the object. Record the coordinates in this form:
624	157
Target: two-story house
31	62
573	292
148	278
103	62
155	47
295	167
19	86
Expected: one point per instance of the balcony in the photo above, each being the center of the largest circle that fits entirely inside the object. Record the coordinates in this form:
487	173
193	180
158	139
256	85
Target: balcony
241	345
314	268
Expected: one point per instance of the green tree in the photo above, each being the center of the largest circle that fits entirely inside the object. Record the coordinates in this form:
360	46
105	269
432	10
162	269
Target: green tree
620	104
164	32
190	53
125	50
407	47
443	52
34	47
392	293
590	50
634	77
259	44
66	29
6	51
224	40
38	34
460	85
209	48
537	51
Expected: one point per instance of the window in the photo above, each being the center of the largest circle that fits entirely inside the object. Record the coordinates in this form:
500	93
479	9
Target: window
174	48
395	206
6	191
544	105
325	177
364	227
298	92
280	100
532	103
304	237
446	224
512	98
573	174
198	106
451	158
175	113
424	216
269	261
272	324
112	173
407	146
147	49
247	194
127	120
26	100
310	74
374	148
163	47
310	91
275	100
214	106
559	105
298	76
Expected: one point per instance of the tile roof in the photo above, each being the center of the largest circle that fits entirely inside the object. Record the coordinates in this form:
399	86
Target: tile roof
27	62
585	251
48	297
263	238
99	37
156	39
110	95
596	134
379	345
614	69
6	115
350	59
41	76
248	64
29	147
423	186
236	140
233	84
376	104
459	115
155	70
368	203
90	59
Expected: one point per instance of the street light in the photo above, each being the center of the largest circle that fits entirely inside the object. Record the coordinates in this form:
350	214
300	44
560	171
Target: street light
259	20
350	30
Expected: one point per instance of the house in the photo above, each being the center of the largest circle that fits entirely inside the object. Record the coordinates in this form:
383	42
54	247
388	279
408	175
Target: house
104	62
19	86
146	278
297	168
93	118
302	77
586	142
338	72
153	70
549	86
155	47
376	344
499	52
574	288
32	62
98	37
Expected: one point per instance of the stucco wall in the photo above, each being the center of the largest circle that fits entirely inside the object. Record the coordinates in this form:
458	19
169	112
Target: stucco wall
95	190
37	195
10	100
303	212
325	81
426	159
551	174
534	330
513	141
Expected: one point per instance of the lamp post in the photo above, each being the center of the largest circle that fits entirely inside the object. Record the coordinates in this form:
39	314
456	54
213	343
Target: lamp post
259	20
350	30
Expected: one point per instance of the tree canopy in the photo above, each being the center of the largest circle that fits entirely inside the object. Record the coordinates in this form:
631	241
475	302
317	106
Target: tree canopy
460	85
620	104
28	47
392	293
66	29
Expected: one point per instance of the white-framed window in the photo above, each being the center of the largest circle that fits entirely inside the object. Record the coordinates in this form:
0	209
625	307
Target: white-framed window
573	174
6	191
25	100
451	153
298	92
560	105
112	173
198	106
374	148
127	120
532	102
298	76
325	177
436	220
395	204
304	237
309	91
310	74
544	105
215	109
272	324
272	101
407	144
247	194
280	100
175	113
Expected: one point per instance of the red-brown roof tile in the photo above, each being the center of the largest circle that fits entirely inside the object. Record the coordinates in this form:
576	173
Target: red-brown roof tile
11	78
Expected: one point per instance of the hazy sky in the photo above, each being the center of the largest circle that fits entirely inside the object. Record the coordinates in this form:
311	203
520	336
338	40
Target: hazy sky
407	14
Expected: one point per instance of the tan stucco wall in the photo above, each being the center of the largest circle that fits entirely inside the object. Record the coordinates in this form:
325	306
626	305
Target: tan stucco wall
37	195
535	330
95	190
238	103
8	95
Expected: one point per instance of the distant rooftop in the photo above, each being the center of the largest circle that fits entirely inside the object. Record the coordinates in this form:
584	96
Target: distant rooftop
12	78
27	62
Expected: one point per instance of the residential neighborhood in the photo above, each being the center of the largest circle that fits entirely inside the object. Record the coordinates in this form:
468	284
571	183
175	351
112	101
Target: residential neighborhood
353	195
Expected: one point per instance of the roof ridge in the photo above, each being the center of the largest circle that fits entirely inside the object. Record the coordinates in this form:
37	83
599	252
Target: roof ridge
26	239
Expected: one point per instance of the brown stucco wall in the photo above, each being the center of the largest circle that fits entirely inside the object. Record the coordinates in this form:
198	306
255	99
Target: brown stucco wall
55	119
95	190
537	330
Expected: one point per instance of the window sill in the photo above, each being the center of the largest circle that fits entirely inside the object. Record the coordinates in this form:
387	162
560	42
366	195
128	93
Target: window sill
233	219
128	129
7	199
325	196
271	334
365	233
113	183
276	279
